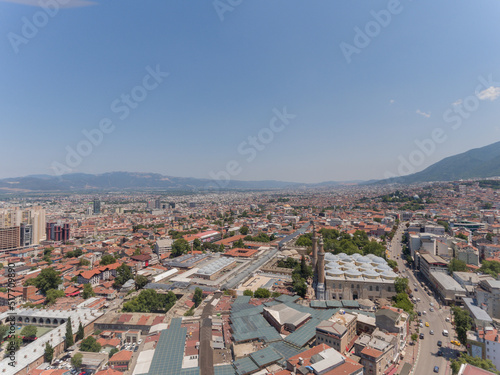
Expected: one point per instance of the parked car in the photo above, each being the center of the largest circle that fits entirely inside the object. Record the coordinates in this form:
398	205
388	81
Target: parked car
440	343
427	324
436	368
421	336
431	309
431	332
440	353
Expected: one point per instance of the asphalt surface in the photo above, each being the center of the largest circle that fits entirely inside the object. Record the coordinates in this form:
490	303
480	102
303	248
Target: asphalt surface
206	359
427	356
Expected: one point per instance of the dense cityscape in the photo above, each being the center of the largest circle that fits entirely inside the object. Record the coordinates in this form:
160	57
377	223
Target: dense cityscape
347	280
249	187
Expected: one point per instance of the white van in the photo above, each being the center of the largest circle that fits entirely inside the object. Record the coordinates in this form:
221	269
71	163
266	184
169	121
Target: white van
445	332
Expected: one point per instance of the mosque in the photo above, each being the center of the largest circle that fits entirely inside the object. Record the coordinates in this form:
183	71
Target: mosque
349	277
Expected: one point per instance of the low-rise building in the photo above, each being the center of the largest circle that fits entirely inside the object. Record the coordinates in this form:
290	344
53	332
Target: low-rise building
337	332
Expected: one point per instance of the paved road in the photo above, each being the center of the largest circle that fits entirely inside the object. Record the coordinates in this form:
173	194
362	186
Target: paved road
206	359
427	357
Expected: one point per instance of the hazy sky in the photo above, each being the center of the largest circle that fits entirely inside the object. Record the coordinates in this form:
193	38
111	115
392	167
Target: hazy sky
326	90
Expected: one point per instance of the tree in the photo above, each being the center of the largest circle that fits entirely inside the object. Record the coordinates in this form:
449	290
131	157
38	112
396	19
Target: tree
198	297
80	333
485	364
48	279
14	343
444	224
401	301
180	247
248	293
463	323
244	230
491	267
107	259
77	359
305	270
140	282
238	244
262	293
84	262
300	287
53	294
393	264
287	263
197	244
462	236
3	330
401	285
113	352
90	344
48	355
275	294
69	341
457	265
123	274
414	337
88	291
29	331
149	300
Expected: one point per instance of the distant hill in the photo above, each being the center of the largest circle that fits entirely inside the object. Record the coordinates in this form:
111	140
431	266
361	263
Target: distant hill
140	181
476	163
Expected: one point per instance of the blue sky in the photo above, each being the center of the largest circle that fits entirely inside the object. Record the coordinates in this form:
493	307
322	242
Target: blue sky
354	120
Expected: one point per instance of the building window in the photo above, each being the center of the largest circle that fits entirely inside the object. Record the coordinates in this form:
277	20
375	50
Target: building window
352	286
376	288
389	289
371	288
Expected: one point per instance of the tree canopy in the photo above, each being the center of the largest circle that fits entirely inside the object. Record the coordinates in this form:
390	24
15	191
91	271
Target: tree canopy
457	265
29	331
88	291
123	274
463	323
47	279
485	364
401	285
68	341
107	259
491	267
53	294
262	293
180	247
48	353
197	297
150	300
140	281
90	344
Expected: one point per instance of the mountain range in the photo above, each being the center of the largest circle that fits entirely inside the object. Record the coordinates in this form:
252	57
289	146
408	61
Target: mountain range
481	162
